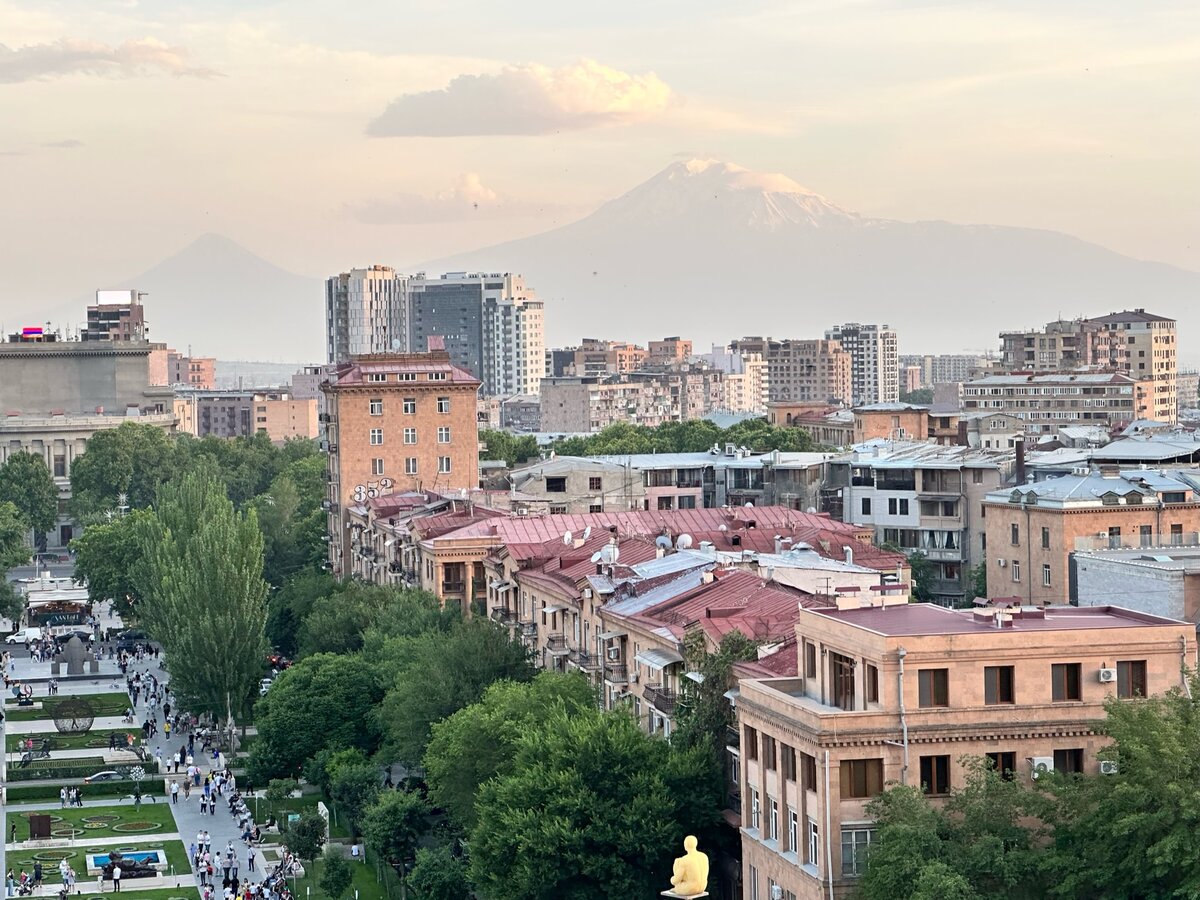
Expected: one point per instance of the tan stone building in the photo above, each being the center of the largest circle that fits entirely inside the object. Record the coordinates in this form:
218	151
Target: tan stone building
1032	529
1046	403
902	694
891	422
647	397
804	370
230	414
397	422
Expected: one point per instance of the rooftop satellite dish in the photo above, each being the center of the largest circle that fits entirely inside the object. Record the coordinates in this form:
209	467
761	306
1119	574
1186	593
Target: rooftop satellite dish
748	503
567	537
587	532
663	541
811	510
683	542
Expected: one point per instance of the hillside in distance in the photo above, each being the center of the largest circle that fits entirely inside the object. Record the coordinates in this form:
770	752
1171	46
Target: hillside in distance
711	251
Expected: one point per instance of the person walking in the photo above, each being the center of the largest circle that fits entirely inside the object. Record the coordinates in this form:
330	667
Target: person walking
62	797
250	860
116	877
175	792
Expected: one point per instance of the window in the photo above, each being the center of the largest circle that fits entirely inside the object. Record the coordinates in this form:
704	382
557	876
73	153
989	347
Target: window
1069	762
872	683
436	376
998	685
1146	535
1065	682
377	466
377	376
861	778
410	406
866	506
406	376
787	759
753	879
750	744
595	507
376	407
772	819
977	474
755	809
1015	535
1045	538
1005	764
1131	679
808	771
443	404
556	510
376	437
410	435
556	485
1176	534
443	465
935	775
410	466
1016	570
793	831
841	673
897	506
855	844
594	484
768	753
1045	574
443	434
934	687
810	660
60	466
812	854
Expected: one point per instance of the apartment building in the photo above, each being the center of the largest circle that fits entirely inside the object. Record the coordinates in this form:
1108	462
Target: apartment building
747	379
812	371
1187	390
942	368
903	694
492	325
829	426
365	312
891	421
1161	581
1049	402
669	351
646	397
230	414
1135	342
874	361
577	484
397	422
194	371
116	316
595	357
1033	528
923	497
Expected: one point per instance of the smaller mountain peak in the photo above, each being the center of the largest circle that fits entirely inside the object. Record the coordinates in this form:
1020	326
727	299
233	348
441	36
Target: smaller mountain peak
734	177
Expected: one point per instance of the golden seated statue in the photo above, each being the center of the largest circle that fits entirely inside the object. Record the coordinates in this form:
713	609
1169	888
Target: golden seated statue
690	873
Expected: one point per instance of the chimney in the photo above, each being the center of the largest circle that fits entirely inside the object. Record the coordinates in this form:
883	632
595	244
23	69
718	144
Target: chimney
849	555
1019	474
778	544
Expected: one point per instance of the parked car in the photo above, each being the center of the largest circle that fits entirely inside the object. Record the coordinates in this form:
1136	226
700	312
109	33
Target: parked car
130	638
264	686
106	775
24	636
86	636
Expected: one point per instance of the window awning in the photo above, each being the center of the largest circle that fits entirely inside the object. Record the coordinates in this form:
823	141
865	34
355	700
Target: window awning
609	635
732	695
697	677
503	586
658	659
555	608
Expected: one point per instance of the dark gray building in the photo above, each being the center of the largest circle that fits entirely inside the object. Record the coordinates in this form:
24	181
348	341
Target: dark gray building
453	311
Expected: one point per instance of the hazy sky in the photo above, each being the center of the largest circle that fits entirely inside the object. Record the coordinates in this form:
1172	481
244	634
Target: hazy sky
323	135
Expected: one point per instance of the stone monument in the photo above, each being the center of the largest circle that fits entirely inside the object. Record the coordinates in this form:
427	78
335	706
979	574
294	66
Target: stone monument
75	655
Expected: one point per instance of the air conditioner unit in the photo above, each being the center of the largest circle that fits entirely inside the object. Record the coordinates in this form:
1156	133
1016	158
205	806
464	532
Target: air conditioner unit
614	653
1108	767
776	892
1108	675
1040	765
633	677
1002	563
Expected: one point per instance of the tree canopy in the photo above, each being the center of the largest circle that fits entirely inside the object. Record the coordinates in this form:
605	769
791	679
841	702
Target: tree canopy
14	551
692	436
132	459
26	483
108	558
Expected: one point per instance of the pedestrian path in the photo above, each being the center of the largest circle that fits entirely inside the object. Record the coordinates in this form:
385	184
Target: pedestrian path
43	726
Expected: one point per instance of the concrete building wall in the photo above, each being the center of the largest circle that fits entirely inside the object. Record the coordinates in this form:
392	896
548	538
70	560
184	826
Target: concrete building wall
78	377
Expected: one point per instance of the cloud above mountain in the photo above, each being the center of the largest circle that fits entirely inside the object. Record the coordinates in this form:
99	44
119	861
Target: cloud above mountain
469	199
528	99
71	56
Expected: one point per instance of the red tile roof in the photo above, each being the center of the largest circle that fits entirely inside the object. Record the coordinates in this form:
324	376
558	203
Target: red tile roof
354	372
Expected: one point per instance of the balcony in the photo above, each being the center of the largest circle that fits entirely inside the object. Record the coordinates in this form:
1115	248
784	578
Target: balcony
528	629
503	615
618	674
454	587
661	698
556	644
588	662
733	737
943	554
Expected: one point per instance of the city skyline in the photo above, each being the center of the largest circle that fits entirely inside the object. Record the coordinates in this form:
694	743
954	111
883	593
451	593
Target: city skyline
311	139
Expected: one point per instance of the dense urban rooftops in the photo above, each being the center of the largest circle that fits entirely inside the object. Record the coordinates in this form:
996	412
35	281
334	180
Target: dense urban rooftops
929	619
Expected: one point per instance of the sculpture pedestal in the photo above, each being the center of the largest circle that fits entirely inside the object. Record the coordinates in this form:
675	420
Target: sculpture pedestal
683	896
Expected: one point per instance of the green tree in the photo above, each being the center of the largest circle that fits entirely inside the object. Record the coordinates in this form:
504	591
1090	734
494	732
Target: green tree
290	605
339	622
922	576
11	603
305	836
440	674
26	483
203	595
14	551
921	396
587	811
480	741
510	448
335	873
1132	834
978	576
277	792
354	784
321	702
394	823
132	459
705	714
108	558
439	875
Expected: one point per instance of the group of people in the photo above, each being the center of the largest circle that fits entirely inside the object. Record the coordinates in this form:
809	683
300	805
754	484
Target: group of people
273	887
70	796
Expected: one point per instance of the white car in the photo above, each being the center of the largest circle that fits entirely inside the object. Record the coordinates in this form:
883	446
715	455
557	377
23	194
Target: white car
24	636
264	686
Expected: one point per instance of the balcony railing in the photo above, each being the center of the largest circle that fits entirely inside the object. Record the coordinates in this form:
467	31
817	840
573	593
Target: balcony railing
584	660
528	629
661	698
556	643
453	587
618	674
503	615
1138	541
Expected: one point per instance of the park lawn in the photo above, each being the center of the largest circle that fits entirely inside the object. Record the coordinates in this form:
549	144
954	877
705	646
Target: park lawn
370	882
302	804
19	859
30	793
110	704
158	814
91	740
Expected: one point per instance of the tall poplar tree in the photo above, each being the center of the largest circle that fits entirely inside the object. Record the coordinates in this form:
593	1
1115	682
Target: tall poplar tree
202	593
